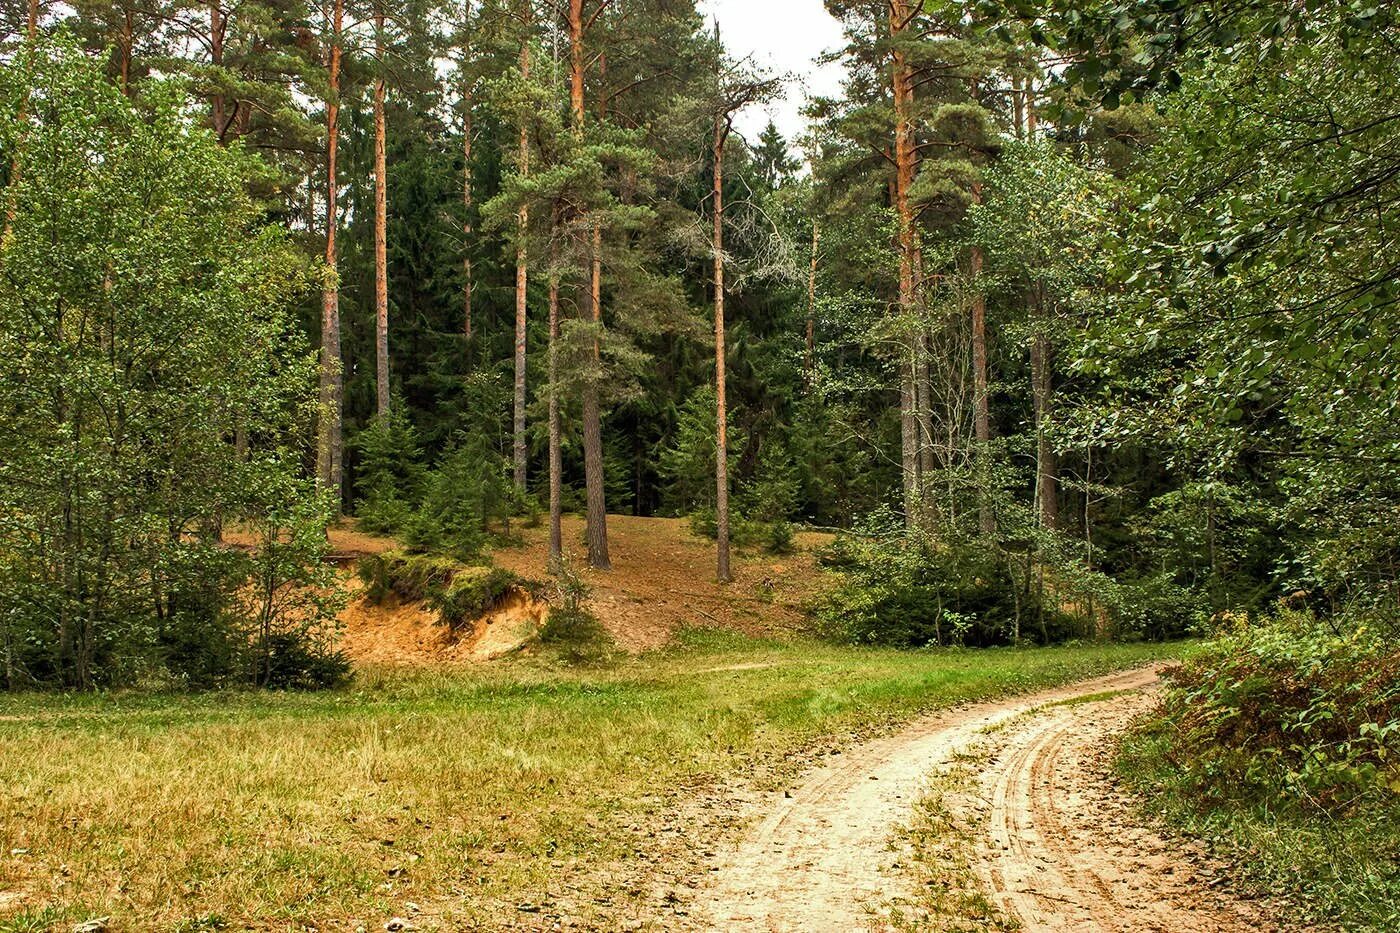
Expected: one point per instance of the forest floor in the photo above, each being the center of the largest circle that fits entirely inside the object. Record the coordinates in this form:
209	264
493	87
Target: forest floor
662	582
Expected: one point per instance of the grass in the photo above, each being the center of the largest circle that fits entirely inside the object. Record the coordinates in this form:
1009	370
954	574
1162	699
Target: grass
1337	872
464	792
947	894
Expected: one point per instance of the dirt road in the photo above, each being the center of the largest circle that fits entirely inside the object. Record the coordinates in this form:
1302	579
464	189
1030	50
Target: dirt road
1056	846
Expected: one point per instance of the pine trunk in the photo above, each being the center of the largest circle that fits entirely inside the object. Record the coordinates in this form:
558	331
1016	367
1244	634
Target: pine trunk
328	441
721	414
592	416
903	92
1042	389
981	402
467	212
556	460
808	358
520	453
381	220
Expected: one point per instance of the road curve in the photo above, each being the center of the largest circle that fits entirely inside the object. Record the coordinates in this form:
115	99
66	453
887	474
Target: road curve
819	857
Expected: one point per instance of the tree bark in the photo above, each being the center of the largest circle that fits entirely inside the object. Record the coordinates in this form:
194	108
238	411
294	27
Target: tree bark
381	221
982	416
1042	389
328	441
556	460
721	414
904	156
809	357
467	100
597	518
520	453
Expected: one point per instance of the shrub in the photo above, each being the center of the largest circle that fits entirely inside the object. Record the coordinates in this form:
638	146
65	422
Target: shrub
1279	743
778	538
1293	706
291	662
570	628
912	591
472	592
462	496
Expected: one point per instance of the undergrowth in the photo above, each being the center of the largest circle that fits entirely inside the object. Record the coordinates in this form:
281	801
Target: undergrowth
458	592
1280	744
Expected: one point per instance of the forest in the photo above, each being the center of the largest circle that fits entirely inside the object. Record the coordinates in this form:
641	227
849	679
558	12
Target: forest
465	387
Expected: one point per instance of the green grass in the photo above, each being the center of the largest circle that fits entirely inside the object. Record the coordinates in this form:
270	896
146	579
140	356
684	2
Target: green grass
1335	871
461	791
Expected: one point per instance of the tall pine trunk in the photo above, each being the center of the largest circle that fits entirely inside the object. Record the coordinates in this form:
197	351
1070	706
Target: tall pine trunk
1042	391
328	441
597	518
381	220
467	100
981	401
556	460
520	453
904	156
721	414
808	357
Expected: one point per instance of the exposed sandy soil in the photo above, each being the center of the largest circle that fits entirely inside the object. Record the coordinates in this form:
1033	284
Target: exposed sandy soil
1060	848
663	579
398	634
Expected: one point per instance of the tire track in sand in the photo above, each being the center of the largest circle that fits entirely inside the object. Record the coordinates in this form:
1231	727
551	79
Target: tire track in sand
1063	848
819	857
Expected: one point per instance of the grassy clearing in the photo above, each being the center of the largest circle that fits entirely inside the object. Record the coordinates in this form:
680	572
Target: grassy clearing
464	792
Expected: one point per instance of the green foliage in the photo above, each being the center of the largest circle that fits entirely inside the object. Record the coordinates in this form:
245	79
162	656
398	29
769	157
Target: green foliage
1293	707
687	463
1280	742
570	629
390	472
166	338
292	598
467	490
919	592
472	592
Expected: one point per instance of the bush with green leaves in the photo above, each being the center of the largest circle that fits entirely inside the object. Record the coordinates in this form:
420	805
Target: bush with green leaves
570	628
164	393
1294	706
912	590
1279	741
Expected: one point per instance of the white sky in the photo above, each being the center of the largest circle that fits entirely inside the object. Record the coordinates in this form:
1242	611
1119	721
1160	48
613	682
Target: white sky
786	36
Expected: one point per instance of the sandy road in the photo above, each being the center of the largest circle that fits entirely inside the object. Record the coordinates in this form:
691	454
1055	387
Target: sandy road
1058	849
1063	849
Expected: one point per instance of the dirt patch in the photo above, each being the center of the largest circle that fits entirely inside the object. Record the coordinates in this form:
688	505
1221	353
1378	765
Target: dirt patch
396	634
663	579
